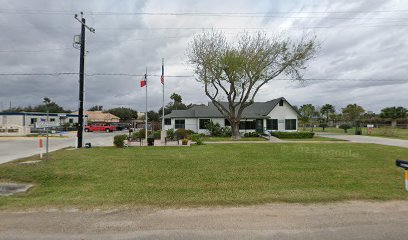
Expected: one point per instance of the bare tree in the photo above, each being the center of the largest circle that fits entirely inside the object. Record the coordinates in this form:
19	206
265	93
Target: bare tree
235	71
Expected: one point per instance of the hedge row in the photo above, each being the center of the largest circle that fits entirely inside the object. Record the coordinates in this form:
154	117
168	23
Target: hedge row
293	134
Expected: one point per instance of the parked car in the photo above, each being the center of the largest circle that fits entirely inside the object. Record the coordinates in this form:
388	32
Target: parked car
100	127
121	126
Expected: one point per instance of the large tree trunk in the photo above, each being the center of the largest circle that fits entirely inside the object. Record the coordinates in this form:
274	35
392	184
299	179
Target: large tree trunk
235	130
393	123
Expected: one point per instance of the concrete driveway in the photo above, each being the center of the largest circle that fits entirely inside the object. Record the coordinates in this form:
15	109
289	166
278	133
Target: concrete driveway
367	139
334	221
12	148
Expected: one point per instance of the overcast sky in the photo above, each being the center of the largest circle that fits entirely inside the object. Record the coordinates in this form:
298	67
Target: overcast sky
360	40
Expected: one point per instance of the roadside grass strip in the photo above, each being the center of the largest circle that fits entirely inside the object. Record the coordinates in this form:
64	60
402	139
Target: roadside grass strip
208	175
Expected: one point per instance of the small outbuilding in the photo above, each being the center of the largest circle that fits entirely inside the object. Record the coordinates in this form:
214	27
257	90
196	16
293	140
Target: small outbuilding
22	123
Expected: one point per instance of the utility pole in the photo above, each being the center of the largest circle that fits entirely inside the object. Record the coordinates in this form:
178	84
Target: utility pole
146	106
81	78
47	136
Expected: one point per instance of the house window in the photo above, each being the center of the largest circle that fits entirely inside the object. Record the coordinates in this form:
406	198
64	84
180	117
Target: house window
281	103
203	123
272	124
247	125
290	124
33	120
227	122
71	120
180	124
52	119
167	121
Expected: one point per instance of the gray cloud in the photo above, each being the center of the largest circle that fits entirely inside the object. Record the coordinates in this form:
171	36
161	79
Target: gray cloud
359	44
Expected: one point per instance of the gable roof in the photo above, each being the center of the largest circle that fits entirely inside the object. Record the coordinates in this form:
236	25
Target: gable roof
255	110
99	116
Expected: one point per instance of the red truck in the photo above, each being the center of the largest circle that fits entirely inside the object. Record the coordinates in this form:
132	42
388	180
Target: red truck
99	127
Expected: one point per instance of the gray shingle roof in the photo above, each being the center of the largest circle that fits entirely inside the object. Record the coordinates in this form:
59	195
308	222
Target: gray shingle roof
256	110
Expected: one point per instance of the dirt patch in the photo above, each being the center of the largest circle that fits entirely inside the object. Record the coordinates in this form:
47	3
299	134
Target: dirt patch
348	220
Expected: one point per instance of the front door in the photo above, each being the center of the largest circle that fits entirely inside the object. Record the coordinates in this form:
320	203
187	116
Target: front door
259	125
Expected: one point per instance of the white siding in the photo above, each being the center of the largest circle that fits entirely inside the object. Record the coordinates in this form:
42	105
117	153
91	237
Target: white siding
190	124
11	120
281	113
194	124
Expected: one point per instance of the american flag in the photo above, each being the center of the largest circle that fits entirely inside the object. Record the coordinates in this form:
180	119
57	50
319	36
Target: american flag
162	76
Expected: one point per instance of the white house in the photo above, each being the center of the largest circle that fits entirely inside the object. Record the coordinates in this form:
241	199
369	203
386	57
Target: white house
274	115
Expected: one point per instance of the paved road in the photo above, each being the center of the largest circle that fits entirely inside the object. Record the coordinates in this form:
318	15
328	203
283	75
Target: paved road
353	220
367	139
12	148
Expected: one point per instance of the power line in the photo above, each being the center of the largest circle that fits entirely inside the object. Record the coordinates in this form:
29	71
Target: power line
248	28
61	12
192	76
33	51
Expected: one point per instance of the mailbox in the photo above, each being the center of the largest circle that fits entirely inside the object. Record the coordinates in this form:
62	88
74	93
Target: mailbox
402	164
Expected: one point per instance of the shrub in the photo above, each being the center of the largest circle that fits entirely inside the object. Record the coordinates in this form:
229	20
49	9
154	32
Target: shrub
226	132
345	127
170	133
190	132
291	135
251	134
181	133
214	128
139	134
157	134
184	141
197	138
118	140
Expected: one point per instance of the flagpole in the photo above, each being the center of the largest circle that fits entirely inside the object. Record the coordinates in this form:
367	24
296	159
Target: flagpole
146	106
163	94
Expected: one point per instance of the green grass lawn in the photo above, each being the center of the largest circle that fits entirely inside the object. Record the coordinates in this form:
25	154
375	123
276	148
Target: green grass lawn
207	175
228	139
377	132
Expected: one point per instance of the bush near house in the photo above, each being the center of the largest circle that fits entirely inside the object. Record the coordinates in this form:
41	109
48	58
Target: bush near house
181	133
216	130
170	133
197	138
291	135
119	140
251	134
